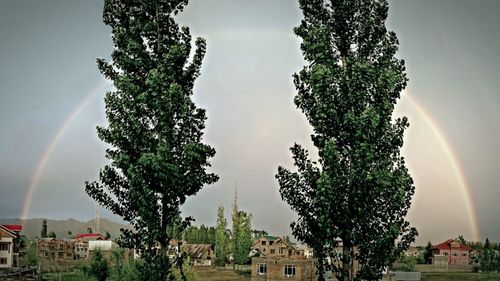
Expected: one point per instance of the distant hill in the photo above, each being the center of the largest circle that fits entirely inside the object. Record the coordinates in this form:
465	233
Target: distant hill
32	227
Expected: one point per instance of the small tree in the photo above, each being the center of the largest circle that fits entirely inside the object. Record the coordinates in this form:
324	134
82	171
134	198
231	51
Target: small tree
43	232
408	263
428	253
98	266
221	237
52	234
31	254
243	239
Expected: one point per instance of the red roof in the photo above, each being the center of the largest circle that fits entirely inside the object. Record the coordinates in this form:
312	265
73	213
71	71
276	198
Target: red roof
83	235
13	227
446	245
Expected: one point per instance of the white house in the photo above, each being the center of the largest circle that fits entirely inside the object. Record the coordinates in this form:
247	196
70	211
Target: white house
7	240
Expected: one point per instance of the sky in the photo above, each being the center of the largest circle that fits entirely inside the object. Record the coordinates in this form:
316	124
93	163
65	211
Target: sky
51	100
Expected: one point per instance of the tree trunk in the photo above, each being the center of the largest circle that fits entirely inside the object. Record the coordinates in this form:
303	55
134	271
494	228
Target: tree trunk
346	262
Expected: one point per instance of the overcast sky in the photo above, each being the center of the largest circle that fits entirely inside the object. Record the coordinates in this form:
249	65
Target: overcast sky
47	72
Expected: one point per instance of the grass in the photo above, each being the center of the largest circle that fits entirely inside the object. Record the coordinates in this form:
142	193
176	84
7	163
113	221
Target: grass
459	276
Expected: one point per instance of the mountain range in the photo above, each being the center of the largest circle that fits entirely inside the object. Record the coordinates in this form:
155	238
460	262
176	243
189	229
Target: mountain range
67	228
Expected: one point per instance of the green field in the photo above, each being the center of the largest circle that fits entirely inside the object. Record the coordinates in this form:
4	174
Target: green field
460	276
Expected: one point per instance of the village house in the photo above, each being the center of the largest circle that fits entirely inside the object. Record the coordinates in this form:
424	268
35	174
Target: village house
413	252
9	250
450	252
200	254
56	249
271	246
283	268
82	244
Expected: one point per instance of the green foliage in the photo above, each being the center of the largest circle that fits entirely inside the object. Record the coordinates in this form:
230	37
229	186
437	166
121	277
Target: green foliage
200	235
461	239
359	191
408	263
242	239
259	233
221	238
98	267
43	232
428	253
489	258
185	272
241	234
31	254
107	236
157	158
52	234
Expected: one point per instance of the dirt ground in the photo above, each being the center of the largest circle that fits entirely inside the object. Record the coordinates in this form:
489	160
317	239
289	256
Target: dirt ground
222	275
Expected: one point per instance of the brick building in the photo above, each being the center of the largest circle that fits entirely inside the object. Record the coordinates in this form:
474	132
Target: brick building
56	249
283	268
271	246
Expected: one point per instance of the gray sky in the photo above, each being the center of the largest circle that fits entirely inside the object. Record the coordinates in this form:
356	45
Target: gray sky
47	69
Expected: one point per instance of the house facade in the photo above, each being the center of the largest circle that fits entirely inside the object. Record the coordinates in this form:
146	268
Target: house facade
82	244
56	249
283	268
8	245
450	252
271	246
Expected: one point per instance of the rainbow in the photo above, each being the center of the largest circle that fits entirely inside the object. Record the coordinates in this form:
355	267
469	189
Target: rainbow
454	163
433	124
42	162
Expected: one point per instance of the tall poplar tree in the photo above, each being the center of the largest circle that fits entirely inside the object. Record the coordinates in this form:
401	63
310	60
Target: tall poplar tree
157	158
356	196
221	245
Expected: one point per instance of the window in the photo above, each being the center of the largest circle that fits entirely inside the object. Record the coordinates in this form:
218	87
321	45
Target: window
455	254
272	251
263	243
262	268
289	270
4	247
445	253
464	254
3	261
271	242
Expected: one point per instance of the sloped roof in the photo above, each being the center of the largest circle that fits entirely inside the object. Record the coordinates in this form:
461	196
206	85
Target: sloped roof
446	245
88	235
7	231
13	227
196	250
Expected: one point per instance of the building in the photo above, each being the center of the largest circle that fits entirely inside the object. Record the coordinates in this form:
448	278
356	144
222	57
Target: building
56	249
271	246
200	254
9	245
450	252
413	252
82	244
283	268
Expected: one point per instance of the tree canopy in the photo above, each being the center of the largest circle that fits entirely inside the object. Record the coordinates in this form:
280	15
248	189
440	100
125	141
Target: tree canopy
157	157
356	196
